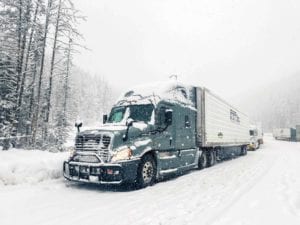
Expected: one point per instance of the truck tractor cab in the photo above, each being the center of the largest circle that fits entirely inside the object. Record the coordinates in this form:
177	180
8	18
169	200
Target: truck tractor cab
256	137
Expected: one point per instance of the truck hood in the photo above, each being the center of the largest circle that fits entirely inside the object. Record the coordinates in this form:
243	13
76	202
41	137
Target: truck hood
116	128
116	132
101	129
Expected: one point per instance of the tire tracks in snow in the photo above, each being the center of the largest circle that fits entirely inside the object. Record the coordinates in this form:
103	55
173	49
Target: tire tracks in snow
252	179
289	182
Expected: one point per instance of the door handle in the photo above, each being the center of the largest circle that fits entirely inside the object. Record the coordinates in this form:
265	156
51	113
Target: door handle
179	153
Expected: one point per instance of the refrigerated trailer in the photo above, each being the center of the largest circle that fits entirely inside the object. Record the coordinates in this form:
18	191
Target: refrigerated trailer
285	134
157	130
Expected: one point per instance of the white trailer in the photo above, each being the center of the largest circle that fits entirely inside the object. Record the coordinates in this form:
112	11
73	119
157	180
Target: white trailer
282	134
219	124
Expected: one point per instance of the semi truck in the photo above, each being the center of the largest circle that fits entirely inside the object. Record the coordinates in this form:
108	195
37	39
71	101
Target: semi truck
256	137
157	130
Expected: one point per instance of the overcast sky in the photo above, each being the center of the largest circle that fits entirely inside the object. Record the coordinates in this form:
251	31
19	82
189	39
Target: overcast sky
229	46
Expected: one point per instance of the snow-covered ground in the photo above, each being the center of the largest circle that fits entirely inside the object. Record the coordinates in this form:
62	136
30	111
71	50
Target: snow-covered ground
19	166
261	188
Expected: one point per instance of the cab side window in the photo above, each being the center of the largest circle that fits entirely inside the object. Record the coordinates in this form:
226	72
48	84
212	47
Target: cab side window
160	116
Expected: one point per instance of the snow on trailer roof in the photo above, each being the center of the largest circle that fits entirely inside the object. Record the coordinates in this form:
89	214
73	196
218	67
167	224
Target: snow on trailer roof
171	91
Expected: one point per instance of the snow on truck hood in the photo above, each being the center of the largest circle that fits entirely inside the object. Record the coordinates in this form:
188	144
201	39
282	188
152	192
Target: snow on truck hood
171	91
113	128
104	128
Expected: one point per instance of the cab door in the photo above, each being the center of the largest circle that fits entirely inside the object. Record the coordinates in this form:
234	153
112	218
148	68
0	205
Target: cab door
185	135
165	139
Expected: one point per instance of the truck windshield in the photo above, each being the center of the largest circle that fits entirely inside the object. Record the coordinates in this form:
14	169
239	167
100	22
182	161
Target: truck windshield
253	133
135	112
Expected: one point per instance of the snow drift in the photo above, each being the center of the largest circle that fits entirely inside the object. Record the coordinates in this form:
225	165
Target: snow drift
24	166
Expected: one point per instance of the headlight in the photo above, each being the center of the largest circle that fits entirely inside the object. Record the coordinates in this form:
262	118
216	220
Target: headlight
123	154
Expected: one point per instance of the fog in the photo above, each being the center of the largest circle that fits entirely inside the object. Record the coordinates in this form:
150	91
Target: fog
232	47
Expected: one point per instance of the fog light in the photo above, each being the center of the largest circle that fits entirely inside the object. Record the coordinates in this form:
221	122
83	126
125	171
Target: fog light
84	169
117	172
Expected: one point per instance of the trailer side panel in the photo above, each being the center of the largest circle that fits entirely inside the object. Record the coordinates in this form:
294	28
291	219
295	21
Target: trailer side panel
224	124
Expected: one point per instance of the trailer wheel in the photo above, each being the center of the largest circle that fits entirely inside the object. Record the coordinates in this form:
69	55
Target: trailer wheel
146	173
202	161
211	158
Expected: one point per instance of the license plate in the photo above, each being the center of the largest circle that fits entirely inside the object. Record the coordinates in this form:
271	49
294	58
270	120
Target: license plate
93	178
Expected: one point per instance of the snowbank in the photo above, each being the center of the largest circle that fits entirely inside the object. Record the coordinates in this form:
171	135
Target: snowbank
24	166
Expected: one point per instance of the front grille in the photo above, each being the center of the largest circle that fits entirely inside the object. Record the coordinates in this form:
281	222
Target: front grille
104	154
99	144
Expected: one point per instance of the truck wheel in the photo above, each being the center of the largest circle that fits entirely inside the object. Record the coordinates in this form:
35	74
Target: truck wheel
258	145
211	158
244	150
146	173
202	161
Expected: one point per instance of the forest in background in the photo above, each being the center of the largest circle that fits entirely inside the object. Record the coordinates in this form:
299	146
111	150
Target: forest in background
42	91
276	105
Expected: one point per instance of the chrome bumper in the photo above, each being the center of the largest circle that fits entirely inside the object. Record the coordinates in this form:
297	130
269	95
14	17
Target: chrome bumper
101	173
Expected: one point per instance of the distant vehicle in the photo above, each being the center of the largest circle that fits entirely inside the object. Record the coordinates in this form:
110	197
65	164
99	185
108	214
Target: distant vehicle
157	130
285	134
256	137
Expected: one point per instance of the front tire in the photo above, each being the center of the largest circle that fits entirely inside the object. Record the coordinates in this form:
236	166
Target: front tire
146	174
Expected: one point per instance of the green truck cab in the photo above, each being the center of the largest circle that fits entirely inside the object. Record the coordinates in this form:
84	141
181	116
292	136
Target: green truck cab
149	134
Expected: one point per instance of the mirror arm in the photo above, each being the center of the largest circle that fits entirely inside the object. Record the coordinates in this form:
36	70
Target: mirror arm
125	136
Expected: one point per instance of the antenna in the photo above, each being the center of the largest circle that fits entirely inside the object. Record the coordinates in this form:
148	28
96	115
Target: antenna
174	77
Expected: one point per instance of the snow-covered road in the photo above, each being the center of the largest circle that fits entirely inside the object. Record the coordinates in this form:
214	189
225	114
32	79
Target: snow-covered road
261	188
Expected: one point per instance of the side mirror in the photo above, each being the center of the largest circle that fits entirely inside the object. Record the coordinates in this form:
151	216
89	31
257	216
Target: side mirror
129	122
168	117
105	118
78	125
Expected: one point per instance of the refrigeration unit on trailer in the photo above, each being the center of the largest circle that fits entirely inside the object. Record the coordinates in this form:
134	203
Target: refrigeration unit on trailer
156	130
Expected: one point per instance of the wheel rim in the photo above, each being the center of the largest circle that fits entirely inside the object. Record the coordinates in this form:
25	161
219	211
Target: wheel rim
147	172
